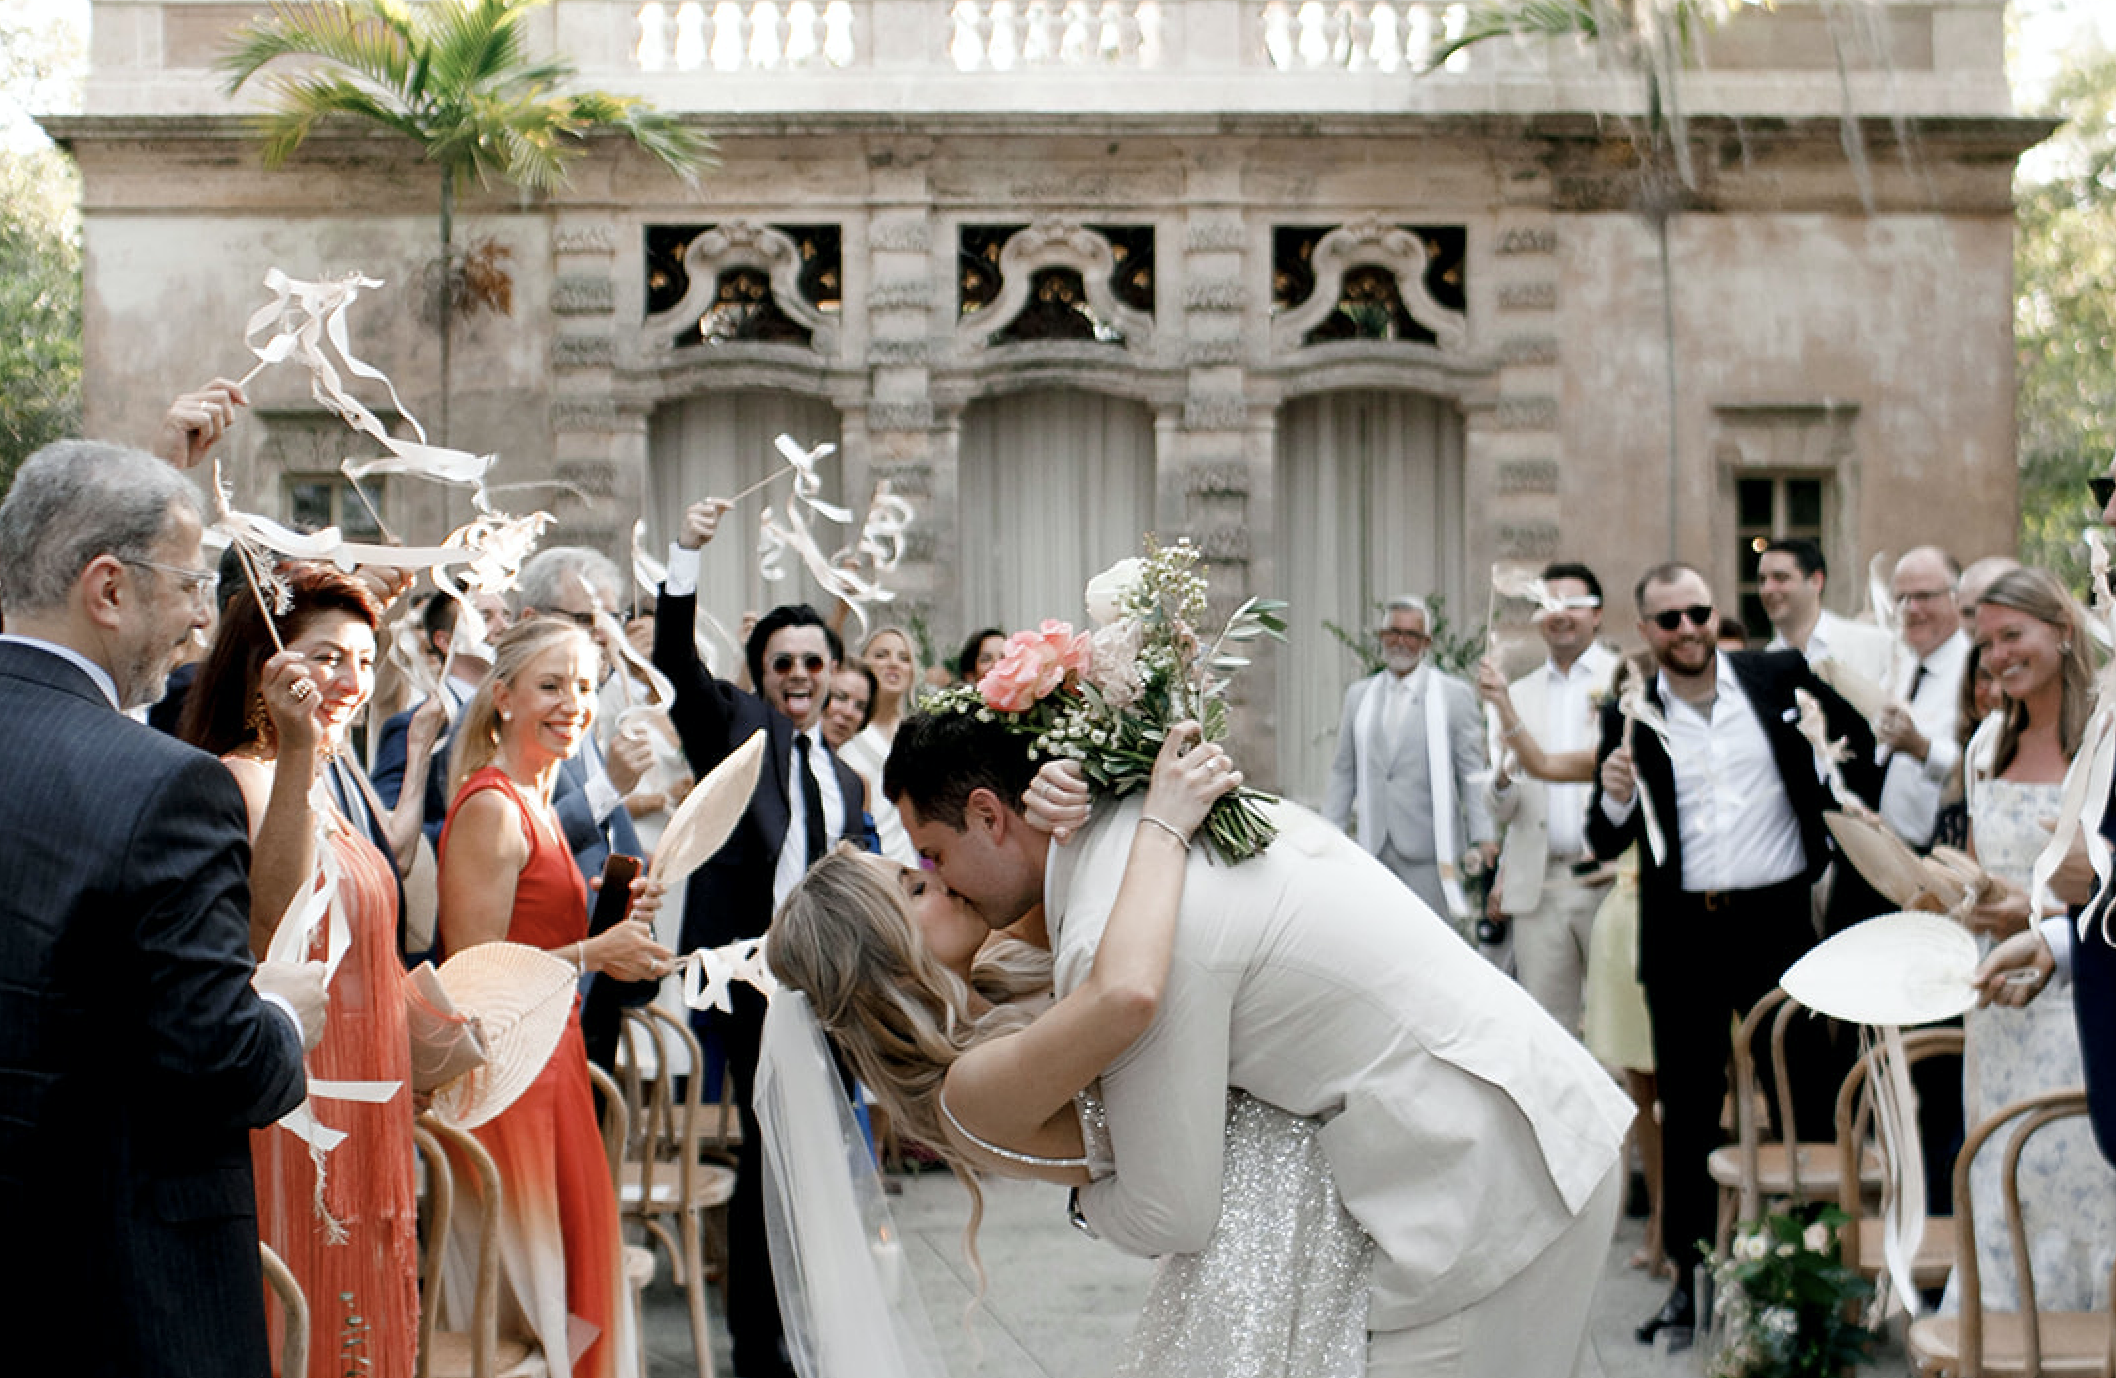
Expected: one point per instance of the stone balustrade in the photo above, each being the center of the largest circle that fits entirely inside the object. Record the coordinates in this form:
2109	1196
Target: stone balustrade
1805	57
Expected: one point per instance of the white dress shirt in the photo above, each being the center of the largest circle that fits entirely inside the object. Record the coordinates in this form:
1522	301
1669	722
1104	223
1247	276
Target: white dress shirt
1738	831
1911	789
1568	723
822	777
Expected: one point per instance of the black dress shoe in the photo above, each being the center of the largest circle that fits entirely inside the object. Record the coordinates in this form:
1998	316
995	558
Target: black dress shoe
1678	1312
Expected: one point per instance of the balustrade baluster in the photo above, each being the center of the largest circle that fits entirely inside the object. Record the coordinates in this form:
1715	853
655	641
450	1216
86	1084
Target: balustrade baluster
1038	48
1005	48
966	48
1278	34
1075	49
1149	16
803	29
838	49
651	52
765	46
1385	47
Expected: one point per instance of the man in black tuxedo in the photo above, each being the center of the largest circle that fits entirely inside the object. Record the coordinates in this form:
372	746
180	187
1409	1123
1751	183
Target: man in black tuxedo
135	1052
1724	899
805	802
2089	958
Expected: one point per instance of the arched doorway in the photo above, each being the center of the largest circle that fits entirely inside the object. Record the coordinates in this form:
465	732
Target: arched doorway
1369	506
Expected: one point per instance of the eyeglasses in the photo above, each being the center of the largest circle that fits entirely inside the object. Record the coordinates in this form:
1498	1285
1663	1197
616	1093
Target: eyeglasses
1923	595
2103	489
201	584
1398	634
780	664
1698	614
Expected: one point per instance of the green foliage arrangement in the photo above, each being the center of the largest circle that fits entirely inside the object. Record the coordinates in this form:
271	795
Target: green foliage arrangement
1785	1300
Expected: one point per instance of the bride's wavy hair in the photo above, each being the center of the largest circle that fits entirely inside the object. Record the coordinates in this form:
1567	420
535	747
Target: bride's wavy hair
844	938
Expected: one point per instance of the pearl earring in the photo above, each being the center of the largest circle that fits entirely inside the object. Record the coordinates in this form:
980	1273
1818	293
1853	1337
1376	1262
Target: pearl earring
506	716
2065	649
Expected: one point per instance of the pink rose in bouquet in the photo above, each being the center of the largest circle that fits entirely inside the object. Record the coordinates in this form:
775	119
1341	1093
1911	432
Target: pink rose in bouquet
1032	665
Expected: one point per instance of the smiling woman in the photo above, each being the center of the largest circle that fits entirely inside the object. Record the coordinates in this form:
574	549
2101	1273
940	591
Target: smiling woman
276	719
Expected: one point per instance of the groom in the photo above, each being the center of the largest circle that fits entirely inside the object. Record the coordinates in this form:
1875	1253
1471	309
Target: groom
1470	1136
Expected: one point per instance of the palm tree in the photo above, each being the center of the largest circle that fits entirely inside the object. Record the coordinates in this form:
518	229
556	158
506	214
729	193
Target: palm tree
454	77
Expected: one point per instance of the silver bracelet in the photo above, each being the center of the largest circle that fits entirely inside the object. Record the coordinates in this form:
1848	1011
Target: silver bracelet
1167	827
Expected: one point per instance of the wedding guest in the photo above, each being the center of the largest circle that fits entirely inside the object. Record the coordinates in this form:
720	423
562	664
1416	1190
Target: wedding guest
2033	637
276	720
508	875
890	657
980	652
135	1052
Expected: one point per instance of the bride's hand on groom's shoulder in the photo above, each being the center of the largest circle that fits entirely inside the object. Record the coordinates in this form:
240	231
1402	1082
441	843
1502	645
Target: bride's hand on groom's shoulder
1190	776
1057	800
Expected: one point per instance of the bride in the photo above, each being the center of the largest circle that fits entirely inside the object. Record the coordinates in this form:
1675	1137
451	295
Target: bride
960	1041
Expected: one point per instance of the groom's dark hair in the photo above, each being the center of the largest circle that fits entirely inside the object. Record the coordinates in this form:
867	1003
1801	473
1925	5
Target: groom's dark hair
938	760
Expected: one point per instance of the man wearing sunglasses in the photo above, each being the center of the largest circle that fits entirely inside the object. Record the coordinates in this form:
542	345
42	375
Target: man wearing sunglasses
806	801
1717	785
1548	886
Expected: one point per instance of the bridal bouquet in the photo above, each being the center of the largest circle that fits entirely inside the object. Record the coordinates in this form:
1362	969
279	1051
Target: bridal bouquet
1107	697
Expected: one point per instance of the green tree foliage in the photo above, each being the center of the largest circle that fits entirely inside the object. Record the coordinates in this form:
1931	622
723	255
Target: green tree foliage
2065	316
40	238
455	79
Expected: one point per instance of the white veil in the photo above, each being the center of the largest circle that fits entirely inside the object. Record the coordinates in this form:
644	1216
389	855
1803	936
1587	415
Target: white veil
848	1304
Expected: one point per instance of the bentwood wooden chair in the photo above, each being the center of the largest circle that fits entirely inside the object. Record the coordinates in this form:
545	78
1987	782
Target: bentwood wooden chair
1863	1235
481	1351
2029	1343
665	1183
1760	1170
616	1119
294	1347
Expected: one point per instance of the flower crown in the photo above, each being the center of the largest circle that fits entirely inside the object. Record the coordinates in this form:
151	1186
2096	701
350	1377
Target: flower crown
1107	697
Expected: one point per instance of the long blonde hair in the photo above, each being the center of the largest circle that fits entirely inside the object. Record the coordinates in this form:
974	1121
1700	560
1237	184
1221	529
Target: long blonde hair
845	939
477	736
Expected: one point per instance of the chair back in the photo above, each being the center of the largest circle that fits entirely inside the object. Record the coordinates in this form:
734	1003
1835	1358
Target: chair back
1858	1134
1775	1010
668	1112
294	1348
614	1115
443	1146
2033	1113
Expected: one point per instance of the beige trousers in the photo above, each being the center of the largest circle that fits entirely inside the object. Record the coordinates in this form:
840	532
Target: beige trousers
1533	1326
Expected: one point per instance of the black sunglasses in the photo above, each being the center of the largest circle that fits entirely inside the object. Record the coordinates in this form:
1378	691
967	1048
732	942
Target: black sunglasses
814	664
1698	613
2103	489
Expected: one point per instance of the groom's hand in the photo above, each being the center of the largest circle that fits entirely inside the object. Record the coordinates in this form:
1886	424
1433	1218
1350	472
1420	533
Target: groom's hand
700	521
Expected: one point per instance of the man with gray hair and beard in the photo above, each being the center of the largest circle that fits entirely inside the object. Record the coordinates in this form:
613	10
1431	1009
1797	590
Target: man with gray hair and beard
135	1052
1410	764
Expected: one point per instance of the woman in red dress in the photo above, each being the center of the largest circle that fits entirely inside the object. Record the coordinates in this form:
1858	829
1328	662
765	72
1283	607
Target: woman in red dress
276	719
506	873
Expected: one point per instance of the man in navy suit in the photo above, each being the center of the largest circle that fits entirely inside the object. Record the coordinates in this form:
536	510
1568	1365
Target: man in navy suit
2088	958
1735	844
135	1052
806	801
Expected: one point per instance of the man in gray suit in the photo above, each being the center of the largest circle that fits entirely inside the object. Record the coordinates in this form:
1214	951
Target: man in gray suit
135	1053
1410	763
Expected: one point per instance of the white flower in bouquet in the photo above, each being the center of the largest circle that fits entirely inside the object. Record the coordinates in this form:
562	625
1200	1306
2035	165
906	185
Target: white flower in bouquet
1109	594
1113	662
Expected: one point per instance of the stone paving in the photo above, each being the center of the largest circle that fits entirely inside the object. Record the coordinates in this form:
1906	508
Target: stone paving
1059	1305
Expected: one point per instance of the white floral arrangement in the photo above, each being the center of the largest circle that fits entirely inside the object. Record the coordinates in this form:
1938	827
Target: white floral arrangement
1784	1298
1107	697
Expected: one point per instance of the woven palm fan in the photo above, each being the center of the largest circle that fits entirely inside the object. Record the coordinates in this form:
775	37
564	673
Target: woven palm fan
1887	862
520	997
709	813
1900	969
1854	688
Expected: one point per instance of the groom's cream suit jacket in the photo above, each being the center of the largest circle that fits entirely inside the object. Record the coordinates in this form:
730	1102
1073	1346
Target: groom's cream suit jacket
1464	1127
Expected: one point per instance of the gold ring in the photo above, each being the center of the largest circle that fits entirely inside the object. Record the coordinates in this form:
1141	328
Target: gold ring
301	690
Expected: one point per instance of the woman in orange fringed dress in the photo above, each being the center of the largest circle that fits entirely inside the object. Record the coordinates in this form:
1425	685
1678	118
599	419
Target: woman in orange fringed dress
275	719
506	873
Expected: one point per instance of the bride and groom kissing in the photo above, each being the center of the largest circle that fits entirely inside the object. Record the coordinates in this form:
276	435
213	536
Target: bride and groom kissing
1468	1136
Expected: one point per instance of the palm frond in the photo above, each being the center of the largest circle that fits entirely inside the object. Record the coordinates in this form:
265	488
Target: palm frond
1492	19
361	36
301	102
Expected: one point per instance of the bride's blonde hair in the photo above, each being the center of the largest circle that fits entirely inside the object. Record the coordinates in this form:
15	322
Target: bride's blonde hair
845	939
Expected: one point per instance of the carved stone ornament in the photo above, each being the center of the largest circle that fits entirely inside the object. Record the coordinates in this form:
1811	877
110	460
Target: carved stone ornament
1055	243
1370	243
742	244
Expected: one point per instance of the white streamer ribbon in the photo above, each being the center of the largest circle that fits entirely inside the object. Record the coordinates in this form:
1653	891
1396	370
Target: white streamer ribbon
1639	711
708	973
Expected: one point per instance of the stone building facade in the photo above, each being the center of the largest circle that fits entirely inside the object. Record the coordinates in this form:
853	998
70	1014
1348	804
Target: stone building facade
1067	272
